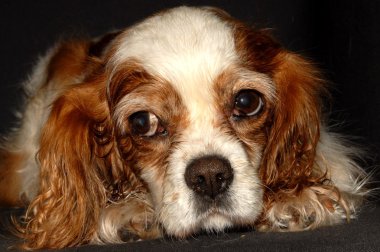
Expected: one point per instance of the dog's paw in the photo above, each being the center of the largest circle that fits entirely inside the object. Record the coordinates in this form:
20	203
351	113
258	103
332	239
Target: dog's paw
130	219
313	207
142	226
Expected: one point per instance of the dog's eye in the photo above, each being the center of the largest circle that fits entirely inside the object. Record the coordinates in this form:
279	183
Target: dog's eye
248	103
146	124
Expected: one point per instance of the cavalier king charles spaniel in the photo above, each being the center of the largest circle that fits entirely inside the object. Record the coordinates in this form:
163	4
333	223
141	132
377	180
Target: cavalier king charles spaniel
188	121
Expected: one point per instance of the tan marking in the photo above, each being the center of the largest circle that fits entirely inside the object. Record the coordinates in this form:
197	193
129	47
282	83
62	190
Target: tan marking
10	181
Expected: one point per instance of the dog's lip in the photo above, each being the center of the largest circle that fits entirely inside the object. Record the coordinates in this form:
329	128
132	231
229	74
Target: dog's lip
214	211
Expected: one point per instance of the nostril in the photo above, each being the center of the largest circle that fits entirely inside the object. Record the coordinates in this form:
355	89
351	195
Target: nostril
200	180
219	177
199	184
209	176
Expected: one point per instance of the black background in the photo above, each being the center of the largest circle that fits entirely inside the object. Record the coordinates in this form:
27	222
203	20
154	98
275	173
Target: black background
342	37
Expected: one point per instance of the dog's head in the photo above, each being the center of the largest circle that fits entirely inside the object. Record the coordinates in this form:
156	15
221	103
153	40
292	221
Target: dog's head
212	112
206	115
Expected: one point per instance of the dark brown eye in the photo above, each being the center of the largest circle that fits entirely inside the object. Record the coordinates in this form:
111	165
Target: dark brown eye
248	103
145	124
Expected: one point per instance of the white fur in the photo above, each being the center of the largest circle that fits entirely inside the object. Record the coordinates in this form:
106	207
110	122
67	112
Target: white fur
336	154
187	46
25	139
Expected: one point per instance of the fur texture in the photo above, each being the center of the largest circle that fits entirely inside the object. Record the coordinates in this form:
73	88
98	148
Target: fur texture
114	130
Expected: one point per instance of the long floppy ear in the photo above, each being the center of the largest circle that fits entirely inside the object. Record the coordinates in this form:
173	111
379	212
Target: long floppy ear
294	130
80	169
71	192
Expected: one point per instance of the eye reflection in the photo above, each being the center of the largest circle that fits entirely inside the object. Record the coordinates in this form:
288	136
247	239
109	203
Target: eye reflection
247	103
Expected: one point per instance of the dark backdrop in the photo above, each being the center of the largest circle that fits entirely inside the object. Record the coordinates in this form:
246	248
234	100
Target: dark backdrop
343	38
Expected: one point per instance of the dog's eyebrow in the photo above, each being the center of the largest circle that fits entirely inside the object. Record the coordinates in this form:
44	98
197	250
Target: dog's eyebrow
125	78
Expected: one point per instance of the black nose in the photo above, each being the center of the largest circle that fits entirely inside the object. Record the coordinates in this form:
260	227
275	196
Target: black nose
209	176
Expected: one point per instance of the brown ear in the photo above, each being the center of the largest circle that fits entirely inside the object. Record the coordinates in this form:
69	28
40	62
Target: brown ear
294	130
80	166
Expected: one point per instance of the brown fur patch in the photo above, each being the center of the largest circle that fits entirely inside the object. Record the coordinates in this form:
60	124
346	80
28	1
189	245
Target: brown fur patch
288	162
256	47
252	130
159	98
68	63
75	183
10	181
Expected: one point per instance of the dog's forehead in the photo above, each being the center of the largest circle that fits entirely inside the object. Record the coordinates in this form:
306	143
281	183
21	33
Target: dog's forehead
182	41
187	47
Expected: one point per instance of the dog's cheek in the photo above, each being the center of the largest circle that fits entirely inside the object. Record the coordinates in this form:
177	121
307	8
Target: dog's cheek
151	166
154	179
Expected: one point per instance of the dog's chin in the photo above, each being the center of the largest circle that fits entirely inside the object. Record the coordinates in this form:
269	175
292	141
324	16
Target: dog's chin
214	223
214	220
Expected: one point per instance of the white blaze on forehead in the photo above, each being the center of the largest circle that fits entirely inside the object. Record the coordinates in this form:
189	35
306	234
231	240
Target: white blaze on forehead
188	47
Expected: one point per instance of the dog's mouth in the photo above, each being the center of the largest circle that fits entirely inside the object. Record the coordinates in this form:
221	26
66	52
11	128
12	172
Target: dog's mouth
216	215
220	205
212	221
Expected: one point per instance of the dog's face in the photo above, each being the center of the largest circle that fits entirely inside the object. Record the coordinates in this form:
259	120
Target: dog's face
194	115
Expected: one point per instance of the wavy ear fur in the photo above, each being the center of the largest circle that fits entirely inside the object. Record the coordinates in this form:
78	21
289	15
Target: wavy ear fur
81	170
306	186
294	130
71	193
289	159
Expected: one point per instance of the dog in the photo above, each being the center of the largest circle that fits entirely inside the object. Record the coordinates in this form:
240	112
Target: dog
189	121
